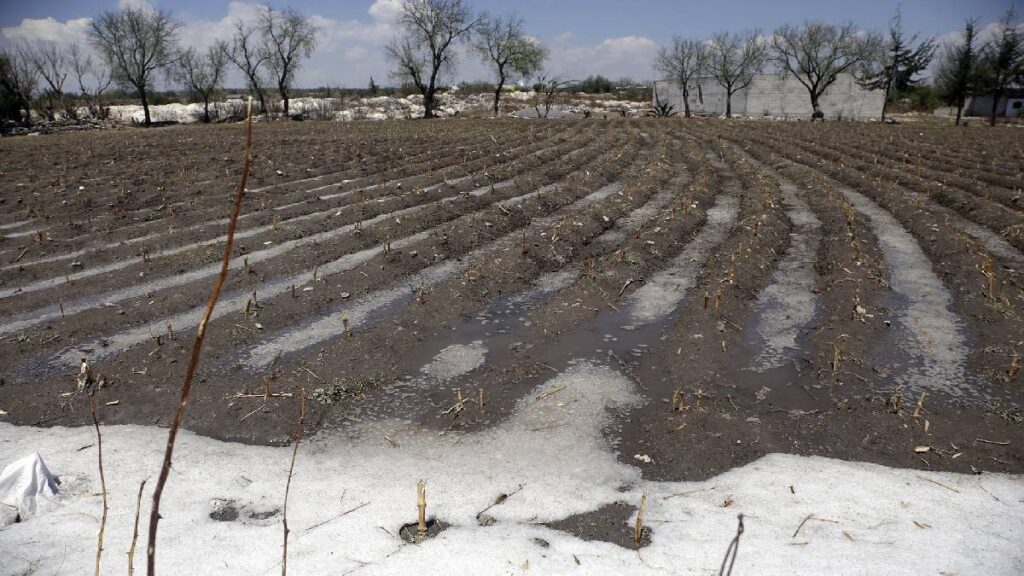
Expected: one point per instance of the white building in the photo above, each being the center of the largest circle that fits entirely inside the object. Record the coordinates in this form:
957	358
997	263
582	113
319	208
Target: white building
775	95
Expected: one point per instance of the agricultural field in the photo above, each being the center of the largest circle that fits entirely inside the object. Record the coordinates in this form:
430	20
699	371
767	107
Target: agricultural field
561	314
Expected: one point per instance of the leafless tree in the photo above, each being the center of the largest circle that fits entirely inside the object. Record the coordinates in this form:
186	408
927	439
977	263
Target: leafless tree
49	61
430	29
735	59
683	62
202	74
502	44
93	79
288	37
547	87
247	53
136	43
816	53
19	78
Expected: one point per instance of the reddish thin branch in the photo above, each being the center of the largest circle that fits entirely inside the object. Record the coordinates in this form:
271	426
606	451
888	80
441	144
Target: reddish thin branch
288	484
197	348
103	482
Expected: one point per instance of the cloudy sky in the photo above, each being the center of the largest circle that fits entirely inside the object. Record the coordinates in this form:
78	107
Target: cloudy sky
611	37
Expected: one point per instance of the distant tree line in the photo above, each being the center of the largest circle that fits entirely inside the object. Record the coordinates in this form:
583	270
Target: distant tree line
131	48
817	53
966	68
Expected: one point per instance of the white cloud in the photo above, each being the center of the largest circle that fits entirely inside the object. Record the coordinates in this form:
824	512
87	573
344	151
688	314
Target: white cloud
613	57
48	30
386	10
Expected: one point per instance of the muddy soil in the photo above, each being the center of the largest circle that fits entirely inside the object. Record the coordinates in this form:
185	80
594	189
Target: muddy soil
751	285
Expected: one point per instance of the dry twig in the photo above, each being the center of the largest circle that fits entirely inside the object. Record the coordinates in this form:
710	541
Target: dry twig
288	484
103	481
135	530
197	348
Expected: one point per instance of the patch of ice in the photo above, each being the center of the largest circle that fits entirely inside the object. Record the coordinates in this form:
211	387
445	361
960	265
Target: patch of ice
351	492
666	289
788	302
456	360
933	335
363	310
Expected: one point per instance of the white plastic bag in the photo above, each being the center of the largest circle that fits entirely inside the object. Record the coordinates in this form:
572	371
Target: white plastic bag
28	487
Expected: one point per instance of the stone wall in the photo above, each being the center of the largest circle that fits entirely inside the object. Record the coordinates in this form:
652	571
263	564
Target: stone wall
777	96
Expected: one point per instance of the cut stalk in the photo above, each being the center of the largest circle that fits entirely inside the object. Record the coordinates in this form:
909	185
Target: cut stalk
638	532
421	505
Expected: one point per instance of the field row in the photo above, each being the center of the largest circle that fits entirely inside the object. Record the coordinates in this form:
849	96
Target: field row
788	287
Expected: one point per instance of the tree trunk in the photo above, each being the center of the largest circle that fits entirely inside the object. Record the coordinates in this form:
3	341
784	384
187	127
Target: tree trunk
686	102
428	104
259	94
145	105
816	107
995	106
959	109
284	97
26	120
497	95
206	110
728	104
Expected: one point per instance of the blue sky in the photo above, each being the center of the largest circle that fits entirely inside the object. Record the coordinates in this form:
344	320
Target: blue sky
613	37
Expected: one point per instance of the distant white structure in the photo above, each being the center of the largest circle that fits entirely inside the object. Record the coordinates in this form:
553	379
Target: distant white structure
777	96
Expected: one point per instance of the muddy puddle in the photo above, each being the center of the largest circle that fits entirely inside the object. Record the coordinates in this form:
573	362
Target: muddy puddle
503	339
372	308
928	346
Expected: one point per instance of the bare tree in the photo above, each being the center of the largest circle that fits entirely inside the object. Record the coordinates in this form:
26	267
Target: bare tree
1002	61
49	61
202	74
246	52
19	78
684	61
901	62
735	59
430	30
502	44
288	37
816	53
956	77
93	79
135	42
547	87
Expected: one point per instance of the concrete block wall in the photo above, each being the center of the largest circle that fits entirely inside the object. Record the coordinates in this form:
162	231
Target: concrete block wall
777	96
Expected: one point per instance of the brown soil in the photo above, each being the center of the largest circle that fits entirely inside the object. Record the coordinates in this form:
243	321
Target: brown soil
831	399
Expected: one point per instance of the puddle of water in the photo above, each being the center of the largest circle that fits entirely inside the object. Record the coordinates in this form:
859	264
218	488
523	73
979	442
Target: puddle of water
666	289
788	303
505	331
928	347
375	306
